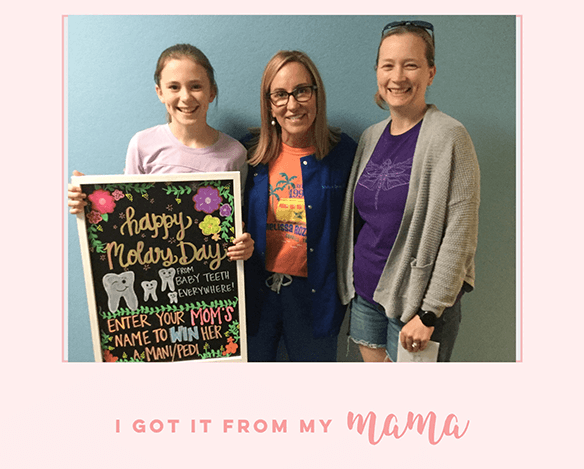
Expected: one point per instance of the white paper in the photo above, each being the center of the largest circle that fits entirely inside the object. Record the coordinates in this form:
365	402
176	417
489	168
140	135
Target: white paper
429	354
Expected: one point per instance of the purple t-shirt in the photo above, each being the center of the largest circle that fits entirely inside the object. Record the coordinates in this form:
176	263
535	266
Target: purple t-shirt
380	199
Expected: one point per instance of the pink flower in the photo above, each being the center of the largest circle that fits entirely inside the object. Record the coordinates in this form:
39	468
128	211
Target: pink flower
207	199
118	194
94	217
102	201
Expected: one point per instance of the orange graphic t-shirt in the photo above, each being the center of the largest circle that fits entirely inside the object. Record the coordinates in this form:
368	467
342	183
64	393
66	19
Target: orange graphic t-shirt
286	227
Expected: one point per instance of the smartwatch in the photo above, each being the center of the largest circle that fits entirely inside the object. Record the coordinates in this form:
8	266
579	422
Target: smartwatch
428	318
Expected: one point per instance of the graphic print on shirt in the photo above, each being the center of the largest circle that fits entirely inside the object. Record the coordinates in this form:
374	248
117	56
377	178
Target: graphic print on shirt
286	227
288	209
385	176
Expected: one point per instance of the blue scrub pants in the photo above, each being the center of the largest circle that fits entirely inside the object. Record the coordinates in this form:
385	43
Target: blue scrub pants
287	316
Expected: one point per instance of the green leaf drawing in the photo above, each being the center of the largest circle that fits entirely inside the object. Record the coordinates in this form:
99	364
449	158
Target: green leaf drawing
178	190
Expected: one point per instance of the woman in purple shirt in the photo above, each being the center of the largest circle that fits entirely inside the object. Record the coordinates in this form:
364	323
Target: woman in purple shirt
411	210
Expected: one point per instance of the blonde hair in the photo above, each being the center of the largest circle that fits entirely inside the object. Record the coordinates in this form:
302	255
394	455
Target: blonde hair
407	29
267	143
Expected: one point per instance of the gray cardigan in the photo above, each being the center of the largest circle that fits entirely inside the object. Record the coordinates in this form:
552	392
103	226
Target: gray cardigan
434	251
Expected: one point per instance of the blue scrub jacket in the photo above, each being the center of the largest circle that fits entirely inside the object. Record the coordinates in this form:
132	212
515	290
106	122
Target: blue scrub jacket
324	184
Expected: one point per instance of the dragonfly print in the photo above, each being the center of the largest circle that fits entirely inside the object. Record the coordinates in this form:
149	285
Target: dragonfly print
385	176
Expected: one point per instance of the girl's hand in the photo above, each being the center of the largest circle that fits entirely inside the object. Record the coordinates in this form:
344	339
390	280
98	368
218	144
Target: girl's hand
76	197
242	248
414	332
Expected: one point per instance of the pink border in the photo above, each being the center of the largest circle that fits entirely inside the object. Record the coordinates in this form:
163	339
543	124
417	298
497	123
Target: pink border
520	360
63	279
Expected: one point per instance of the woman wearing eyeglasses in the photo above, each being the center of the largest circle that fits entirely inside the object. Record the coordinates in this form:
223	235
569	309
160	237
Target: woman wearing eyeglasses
294	195
410	218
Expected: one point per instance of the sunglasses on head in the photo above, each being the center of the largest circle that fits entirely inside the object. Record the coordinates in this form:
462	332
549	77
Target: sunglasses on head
429	27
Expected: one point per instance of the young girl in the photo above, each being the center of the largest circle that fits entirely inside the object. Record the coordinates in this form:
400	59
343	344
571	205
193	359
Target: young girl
185	84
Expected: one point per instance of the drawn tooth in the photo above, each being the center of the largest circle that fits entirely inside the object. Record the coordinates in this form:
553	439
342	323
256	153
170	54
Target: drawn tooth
150	289
167	277
119	286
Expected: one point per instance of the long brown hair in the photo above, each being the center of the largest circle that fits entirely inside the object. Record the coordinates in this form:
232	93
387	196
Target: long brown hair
267	145
182	51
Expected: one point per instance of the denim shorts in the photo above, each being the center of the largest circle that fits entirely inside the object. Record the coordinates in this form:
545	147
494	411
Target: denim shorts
372	328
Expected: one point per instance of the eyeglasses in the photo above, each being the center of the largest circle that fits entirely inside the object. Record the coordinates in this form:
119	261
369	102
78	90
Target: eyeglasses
429	27
301	94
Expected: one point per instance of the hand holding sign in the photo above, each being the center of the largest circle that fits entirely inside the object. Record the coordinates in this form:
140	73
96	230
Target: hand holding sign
242	248
76	196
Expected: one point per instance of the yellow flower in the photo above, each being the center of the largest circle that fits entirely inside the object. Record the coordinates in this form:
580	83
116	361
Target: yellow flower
210	225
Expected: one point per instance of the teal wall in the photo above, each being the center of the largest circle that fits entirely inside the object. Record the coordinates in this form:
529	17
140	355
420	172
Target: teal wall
110	64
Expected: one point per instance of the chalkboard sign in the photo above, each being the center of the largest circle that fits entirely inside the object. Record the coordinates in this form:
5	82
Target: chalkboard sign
160	286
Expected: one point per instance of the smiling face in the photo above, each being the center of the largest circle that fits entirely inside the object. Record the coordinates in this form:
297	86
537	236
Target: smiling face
120	286
403	73
296	119
186	92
